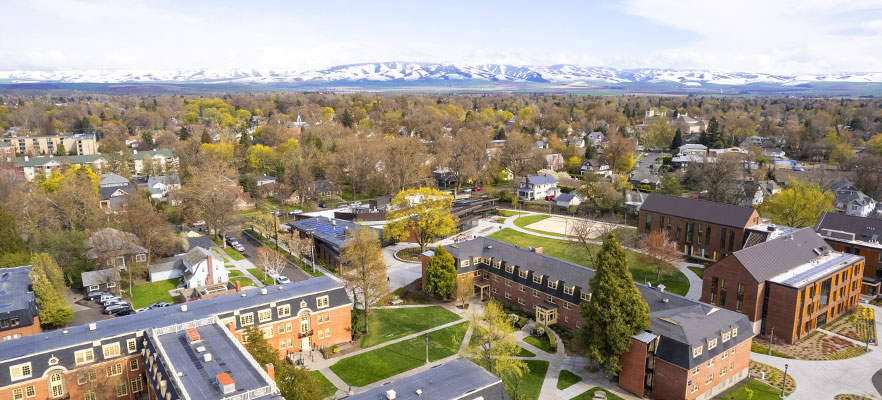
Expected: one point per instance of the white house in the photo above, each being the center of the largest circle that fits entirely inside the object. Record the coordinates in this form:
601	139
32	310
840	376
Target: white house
597	166
197	267
159	186
536	187
851	201
566	200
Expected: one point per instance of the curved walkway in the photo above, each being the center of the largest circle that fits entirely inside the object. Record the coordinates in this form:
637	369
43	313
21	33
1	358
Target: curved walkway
826	379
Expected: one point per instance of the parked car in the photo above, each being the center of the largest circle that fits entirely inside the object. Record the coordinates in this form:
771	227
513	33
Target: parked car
142	309
295	212
158	305
105	298
232	241
467	190
127	311
112	302
282	280
323	205
238	247
549	198
96	294
115	309
478	189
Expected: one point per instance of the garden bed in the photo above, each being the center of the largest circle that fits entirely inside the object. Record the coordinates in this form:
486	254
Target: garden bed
853	325
815	346
410	254
772	376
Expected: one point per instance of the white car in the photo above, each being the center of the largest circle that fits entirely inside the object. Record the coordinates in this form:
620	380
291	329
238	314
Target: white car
273	274
282	280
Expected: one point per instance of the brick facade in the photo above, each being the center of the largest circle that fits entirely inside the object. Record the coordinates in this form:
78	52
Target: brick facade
286	337
699	244
102	378
20	331
633	375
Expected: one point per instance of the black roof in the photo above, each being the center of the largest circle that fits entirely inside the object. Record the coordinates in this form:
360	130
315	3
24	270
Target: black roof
455	379
867	230
16	296
699	210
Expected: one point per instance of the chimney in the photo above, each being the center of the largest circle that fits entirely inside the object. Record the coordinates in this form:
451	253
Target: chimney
92	326
184	308
210	279
537	249
238	286
232	328
271	370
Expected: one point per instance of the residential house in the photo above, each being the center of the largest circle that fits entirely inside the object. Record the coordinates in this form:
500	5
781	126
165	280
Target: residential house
243	201
506	174
153	162
536	187
701	228
686	342
261	180
645	180
456	379
595	139
35	145
851	201
859	236
634	200
161	161
197	267
115	250
160	186
270	189
444	178
187	351
754	193
18	315
7	154
554	161
598	166
106	279
325	189
793	284
688	125
567	200
114	192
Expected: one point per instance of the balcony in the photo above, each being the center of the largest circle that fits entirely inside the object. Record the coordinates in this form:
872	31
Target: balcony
305	334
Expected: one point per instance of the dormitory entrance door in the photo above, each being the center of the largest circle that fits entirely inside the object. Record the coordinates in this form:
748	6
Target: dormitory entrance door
304	344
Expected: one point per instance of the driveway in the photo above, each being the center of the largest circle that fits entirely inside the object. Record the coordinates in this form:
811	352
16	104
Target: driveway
293	272
400	273
647	160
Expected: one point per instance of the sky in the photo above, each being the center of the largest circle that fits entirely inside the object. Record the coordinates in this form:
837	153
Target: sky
769	36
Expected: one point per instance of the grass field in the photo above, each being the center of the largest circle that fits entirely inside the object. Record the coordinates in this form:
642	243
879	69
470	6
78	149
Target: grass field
243	281
531	383
525	353
522	222
328	388
232	253
146	294
589	394
392	323
509	213
234	273
567	379
761	391
265	279
381	363
697	270
541	343
674	281
758	348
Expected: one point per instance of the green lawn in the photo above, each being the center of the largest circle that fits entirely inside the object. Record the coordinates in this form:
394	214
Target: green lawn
243	281
392	323
525	353
233	254
531	383
221	254
146	294
374	365
266	279
567	379
541	343
509	213
697	270
522	222
758	348
234	273
328	388
761	391
588	395
347	196
674	281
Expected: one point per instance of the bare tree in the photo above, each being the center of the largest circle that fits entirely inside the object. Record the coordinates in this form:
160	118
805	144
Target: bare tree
718	179
587	234
661	249
209	196
364	271
271	262
403	162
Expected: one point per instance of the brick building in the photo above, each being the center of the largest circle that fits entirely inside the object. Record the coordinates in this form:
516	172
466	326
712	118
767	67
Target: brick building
701	228
859	236
793	283
692	350
181	351
18	305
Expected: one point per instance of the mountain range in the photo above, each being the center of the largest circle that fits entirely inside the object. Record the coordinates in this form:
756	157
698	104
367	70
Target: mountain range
414	74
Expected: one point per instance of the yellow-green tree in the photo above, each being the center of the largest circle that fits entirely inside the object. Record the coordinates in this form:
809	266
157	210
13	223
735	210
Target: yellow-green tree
55	179
493	345
841	153
49	290
875	144
799	205
420	214
263	159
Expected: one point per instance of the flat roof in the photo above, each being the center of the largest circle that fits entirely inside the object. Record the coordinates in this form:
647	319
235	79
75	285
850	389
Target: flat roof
811	271
15	288
452	380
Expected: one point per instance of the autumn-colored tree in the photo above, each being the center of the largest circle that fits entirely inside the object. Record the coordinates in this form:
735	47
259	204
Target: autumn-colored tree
420	214
364	271
209	196
493	345
149	225
799	205
661	250
619	152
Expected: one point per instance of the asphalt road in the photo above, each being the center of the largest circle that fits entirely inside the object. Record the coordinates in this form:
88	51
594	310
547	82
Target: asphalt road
293	272
648	159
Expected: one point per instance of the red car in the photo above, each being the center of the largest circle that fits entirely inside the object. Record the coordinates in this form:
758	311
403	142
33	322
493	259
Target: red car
478	189
549	198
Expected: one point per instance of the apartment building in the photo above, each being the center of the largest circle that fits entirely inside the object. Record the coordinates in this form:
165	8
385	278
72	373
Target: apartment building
37	145
153	162
793	284
701	228
191	350
692	350
18	305
859	236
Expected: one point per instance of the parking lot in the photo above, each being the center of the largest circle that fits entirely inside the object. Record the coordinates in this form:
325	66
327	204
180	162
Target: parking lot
293	272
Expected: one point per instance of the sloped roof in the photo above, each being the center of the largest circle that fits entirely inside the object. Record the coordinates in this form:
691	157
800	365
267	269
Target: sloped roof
111	178
541	179
15	290
699	210
98	277
866	230
455	379
114	241
328	230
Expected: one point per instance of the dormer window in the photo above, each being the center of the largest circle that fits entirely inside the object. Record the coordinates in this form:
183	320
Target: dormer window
696	351
726	336
497	264
537	279
711	343
569	290
552	284
464	263
523	273
734	331
509	269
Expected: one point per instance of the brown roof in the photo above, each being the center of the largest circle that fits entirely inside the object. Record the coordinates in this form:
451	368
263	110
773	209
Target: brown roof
777	256
699	210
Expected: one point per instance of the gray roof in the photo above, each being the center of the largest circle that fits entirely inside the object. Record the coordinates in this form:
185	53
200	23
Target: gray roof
452	380
541	179
98	277
567	197
199	241
867	230
322	186
159	317
328	230
781	255
644	177
40	161
16	297
196	255
168	180
699	210
111	178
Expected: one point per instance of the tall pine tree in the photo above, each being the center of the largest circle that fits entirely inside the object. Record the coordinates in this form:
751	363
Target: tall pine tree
616	309
11	242
678	140
48	284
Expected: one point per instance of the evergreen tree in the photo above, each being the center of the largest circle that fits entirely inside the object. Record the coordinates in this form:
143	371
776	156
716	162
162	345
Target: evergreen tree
48	285
441	273
183	134
500	134
206	138
347	119
82	125
616	309
60	151
11	242
678	140
714	135
147	137
590	152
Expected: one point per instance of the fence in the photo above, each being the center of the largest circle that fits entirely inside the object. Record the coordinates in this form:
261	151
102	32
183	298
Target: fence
183	326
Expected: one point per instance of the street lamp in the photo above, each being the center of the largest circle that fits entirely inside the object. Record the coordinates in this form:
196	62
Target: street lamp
783	381
771	340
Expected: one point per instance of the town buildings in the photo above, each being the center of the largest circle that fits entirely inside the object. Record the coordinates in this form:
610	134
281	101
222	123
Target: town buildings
184	351
701	229
43	145
328	236
859	236
18	305
537	187
153	162
792	283
692	350
114	192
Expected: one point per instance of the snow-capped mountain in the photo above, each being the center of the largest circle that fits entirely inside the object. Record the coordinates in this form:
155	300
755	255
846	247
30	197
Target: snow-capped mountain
410	71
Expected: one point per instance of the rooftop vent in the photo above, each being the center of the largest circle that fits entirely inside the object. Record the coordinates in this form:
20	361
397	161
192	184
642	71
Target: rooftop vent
184	308
225	383
64	332
771	228
390	395
665	300
92	326
244	295
489	246
263	291
419	392
206	357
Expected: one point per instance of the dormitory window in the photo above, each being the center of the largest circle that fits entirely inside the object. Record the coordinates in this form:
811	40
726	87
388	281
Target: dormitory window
114	370
722	292
509	269
464	263
321	302
267	332
508	296
679	229
711	344
507	283
739	299
133	364
246	319
569	290
131	346
537	279
110	350
264	315
648	226
497	264
136	385
710	378
521	288
689	232
521	301
568	305
726	336
552	284
84	356
586	296
121	388
535	293
696	351
707	234
283	311
713	293
734	333
696	370
90	395
694	387
700	233
523	273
